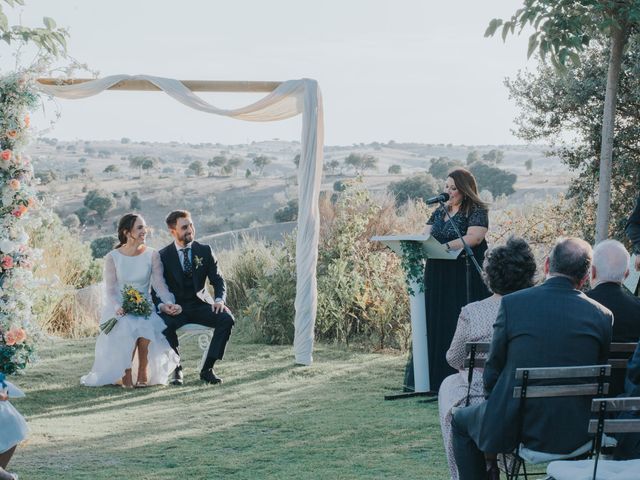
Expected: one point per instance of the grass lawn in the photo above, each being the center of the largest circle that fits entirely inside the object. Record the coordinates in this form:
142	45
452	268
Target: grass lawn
270	419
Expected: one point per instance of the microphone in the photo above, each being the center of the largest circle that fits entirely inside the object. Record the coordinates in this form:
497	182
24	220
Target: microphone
443	197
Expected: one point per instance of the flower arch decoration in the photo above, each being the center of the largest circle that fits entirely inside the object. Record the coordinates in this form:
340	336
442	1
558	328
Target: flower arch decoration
18	331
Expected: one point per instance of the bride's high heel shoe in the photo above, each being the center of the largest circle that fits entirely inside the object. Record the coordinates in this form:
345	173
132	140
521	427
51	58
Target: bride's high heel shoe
127	380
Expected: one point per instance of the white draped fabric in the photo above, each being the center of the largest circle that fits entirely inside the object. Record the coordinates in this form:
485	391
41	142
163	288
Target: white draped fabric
289	99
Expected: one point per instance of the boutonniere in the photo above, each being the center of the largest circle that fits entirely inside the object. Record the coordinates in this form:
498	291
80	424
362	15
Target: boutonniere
197	261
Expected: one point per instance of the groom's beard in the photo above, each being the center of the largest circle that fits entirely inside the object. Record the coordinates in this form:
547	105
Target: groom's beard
188	238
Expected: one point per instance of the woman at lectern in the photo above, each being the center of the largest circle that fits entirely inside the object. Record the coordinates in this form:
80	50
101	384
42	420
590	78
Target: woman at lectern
445	281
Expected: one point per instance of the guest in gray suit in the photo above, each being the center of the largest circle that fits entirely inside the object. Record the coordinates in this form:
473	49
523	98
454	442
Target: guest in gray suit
552	325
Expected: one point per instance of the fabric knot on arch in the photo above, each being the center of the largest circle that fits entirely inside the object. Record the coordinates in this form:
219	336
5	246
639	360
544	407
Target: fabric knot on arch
288	99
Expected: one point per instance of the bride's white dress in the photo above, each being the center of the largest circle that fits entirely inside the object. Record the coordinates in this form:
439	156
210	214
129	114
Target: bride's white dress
114	351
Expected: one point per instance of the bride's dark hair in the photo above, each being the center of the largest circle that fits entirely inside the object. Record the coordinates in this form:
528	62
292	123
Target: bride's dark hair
125	225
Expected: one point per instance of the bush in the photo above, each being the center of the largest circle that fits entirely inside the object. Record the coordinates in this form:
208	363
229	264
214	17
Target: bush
494	179
99	200
441	166
421	186
288	213
68	266
103	245
72	221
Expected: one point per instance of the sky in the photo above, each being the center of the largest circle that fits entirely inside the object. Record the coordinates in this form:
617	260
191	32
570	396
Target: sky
403	70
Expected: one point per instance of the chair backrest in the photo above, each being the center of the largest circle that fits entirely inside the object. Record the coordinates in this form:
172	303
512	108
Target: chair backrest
472	361
625	347
601	426
551	375
618	404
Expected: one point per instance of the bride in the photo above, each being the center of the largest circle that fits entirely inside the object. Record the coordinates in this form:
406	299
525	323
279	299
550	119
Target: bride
134	340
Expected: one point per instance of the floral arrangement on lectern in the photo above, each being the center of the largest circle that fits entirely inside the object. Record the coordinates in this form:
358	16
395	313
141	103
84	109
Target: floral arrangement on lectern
18	331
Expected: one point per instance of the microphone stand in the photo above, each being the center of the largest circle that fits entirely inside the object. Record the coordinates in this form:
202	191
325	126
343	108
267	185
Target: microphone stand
467	249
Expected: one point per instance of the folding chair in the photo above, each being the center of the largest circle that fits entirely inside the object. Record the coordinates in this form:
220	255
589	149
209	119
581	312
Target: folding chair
547	387
472	362
600	427
621	353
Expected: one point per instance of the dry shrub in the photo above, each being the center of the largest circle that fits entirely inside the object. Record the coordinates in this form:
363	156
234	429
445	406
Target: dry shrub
67	265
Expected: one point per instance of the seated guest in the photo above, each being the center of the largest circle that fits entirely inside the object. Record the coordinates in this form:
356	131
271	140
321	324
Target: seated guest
610	267
551	325
507	268
628	447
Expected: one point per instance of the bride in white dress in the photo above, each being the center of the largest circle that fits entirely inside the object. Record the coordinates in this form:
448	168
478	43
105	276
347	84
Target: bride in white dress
134	341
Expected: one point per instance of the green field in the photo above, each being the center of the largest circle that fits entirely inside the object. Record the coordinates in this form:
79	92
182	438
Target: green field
270	419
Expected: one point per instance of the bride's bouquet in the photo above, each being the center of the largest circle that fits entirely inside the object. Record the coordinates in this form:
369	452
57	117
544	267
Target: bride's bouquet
133	303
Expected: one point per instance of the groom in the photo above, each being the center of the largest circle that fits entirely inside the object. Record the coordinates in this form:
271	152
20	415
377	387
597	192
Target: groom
187	264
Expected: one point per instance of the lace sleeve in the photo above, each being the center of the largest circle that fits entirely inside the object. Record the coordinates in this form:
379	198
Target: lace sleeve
157	279
111	283
433	217
479	217
456	353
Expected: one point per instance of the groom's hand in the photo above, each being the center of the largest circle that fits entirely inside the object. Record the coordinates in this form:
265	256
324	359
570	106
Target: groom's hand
218	306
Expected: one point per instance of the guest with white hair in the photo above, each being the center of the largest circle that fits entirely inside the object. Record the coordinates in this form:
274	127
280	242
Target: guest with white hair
609	268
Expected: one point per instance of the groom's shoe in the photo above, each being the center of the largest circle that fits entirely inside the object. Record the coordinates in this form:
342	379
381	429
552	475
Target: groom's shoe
210	376
177	376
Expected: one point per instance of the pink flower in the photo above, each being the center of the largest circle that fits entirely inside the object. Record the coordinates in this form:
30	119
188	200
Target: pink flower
18	212
20	334
10	338
6	262
6	155
14	184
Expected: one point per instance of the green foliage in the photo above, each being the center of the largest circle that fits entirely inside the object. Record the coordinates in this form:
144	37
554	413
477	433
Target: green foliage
395	169
99	200
103	245
361	292
528	164
111	169
83	214
361	162
473	156
149	164
134	202
494	179
493	156
260	162
288	213
46	177
551	105
197	168
333	165
441	166
564	28
125	140
421	186
413	262
72	221
51	39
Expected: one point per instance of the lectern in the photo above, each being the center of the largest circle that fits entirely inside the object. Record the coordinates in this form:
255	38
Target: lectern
431	248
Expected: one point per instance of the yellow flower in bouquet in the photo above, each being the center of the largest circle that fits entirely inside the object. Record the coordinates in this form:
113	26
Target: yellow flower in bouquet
133	303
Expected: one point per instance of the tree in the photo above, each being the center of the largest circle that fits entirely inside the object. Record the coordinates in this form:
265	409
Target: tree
333	164
125	140
563	28
260	162
493	156
235	162
494	179
473	156
134	202
528	164
369	162
288	213
421	186
103	245
51	39
395	169
136	162
354	161
110	169
218	161
148	164
99	200
550	105
441	166
71	221
296	160
197	168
